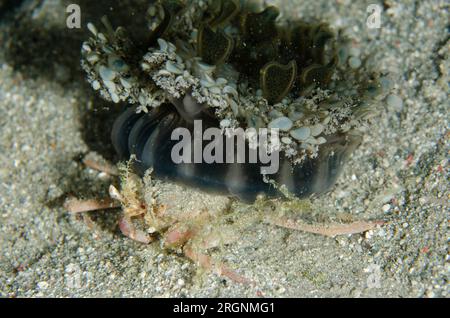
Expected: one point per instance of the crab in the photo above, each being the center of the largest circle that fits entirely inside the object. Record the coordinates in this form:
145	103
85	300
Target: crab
184	221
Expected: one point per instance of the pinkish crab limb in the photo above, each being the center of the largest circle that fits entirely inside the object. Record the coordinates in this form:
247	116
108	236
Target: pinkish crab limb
330	230
129	230
178	236
92	162
74	205
220	269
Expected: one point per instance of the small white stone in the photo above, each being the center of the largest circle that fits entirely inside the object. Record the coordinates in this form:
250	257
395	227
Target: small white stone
92	28
106	73
395	102
354	62
174	69
206	84
386	83
386	208
115	98
221	81
301	134
164	73
281	123
326	121
316	130
92	58
163	45
231	91
96	85
102	37
355	51
215	90
294	116
111	86
42	285
275	114
225	123
86	47
172	48
312	141
208	81
286	140
125	83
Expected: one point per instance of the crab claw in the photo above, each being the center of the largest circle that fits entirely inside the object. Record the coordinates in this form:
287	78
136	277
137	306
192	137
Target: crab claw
129	230
220	269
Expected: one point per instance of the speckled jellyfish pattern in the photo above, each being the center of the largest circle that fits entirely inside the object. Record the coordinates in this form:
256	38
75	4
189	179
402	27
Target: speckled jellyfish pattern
235	64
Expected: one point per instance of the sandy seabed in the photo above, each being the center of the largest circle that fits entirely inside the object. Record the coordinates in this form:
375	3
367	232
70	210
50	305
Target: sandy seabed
50	118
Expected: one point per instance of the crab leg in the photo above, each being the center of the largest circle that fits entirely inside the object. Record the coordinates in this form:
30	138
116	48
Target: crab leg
220	269
330	230
100	165
129	230
74	205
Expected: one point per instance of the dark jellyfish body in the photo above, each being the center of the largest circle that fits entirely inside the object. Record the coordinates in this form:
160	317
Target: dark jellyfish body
148	137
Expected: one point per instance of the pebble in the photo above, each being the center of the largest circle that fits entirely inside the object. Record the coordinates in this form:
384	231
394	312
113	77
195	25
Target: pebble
163	45
115	98
281	123
106	73
111	86
172	68
181	282
354	62
231	91
326	121
221	81
225	123
386	83
125	83
96	85
92	58
207	84
316	130
92	28
395	102
215	90
102	37
355	51
275	114
294	116
42	285
301	134
312	141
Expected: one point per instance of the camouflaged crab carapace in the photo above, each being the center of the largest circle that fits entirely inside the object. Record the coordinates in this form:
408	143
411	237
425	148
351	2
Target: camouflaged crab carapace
235	64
